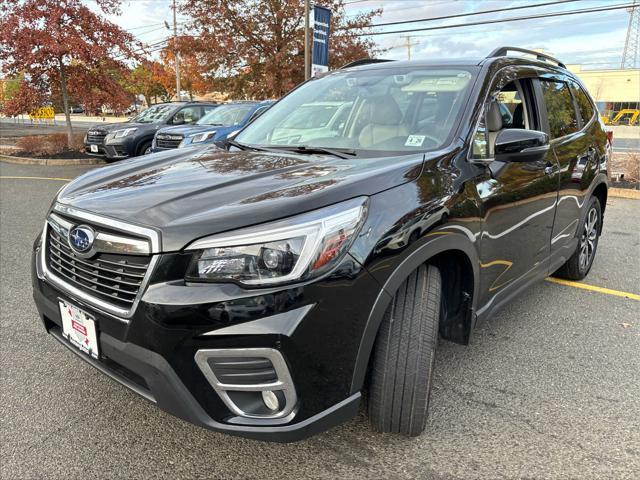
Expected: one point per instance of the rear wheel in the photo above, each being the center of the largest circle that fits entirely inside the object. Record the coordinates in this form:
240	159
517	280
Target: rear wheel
579	264
404	355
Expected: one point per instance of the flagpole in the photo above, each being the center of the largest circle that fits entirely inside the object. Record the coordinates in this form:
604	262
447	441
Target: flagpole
307	56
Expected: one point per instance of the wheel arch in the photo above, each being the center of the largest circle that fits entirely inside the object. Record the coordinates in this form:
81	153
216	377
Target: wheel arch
601	191
599	188
140	143
455	256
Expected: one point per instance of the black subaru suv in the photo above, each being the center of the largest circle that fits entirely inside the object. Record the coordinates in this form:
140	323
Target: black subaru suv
116	141
261	289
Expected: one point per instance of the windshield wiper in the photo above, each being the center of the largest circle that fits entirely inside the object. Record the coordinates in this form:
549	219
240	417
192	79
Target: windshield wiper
340	153
243	146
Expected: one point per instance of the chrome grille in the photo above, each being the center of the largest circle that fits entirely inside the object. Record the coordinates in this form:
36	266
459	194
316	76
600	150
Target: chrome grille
168	141
114	278
96	136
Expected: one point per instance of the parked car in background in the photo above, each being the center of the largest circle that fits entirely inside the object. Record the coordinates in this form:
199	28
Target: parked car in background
129	139
77	109
263	289
216	126
313	120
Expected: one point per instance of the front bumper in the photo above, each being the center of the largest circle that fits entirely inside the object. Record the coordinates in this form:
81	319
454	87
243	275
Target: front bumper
121	148
152	353
100	153
155	149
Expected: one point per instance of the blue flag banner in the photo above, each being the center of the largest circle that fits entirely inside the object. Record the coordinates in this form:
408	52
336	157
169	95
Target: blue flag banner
321	23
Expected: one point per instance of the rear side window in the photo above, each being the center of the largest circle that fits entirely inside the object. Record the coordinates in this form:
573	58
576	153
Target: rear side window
560	110
584	104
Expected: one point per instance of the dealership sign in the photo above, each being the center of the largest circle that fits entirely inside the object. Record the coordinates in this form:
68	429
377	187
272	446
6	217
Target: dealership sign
321	23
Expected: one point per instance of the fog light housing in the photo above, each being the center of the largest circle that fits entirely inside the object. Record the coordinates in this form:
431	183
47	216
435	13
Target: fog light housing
255	383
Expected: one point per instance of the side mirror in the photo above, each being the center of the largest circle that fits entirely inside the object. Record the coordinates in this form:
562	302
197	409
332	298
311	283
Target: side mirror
518	145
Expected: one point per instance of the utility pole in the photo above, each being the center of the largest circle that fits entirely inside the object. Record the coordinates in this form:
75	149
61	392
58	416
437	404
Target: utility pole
176	54
307	53
408	44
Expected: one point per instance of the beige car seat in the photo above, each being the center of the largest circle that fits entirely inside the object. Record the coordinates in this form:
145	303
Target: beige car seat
494	124
385	122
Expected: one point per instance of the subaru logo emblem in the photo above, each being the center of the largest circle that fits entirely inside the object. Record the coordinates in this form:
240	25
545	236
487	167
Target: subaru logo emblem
81	239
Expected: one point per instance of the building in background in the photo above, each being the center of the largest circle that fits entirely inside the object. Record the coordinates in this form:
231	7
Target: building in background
613	90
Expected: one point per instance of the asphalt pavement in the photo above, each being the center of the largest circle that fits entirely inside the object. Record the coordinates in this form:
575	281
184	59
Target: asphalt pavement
548	388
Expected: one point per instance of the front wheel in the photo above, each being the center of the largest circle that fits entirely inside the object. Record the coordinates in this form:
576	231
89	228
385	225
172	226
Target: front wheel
579	264
145	148
404	355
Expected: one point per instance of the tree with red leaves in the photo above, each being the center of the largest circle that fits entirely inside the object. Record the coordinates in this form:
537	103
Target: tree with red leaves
149	78
62	46
256	48
193	68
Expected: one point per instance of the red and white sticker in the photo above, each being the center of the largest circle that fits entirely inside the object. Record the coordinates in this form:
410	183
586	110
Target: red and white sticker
79	328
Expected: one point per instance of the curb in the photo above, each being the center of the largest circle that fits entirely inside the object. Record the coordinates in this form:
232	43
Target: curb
624	193
51	161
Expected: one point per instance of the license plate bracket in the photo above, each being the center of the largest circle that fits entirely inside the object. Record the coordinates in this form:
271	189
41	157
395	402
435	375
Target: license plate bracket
79	328
93	148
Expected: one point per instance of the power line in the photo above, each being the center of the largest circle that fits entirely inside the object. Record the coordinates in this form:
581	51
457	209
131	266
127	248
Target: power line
468	14
504	20
143	26
479	31
414	7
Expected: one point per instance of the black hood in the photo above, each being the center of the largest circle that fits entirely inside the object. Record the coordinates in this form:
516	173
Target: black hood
194	192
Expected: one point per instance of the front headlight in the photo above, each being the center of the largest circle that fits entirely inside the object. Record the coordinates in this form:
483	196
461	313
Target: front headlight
121	133
201	137
296	249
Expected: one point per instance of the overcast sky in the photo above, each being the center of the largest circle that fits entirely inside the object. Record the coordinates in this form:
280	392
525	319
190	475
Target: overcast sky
594	39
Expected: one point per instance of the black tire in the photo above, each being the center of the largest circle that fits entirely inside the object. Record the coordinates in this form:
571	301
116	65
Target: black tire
577	267
404	355
144	146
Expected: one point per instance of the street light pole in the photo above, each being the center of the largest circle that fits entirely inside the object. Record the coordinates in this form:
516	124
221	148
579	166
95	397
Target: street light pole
175	51
307	56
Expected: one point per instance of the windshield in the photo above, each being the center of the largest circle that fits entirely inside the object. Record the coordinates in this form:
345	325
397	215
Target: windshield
226	115
154	114
385	110
312	115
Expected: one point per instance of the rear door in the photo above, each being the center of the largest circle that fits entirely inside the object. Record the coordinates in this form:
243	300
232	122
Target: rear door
573	144
518	198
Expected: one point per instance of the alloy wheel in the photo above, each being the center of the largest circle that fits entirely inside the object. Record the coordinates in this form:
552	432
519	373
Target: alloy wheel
588	239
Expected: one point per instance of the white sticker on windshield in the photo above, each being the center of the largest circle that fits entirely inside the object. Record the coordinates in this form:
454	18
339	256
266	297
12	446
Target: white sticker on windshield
414	140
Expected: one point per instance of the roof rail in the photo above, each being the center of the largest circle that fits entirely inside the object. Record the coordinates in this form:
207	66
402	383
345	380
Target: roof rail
543	57
365	61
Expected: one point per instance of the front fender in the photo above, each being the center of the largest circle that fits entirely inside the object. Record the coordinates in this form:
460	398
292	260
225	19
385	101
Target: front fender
436	242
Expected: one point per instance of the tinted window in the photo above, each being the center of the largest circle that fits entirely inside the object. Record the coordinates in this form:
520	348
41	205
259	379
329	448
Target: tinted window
226	115
560	110
187	115
584	104
153	114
